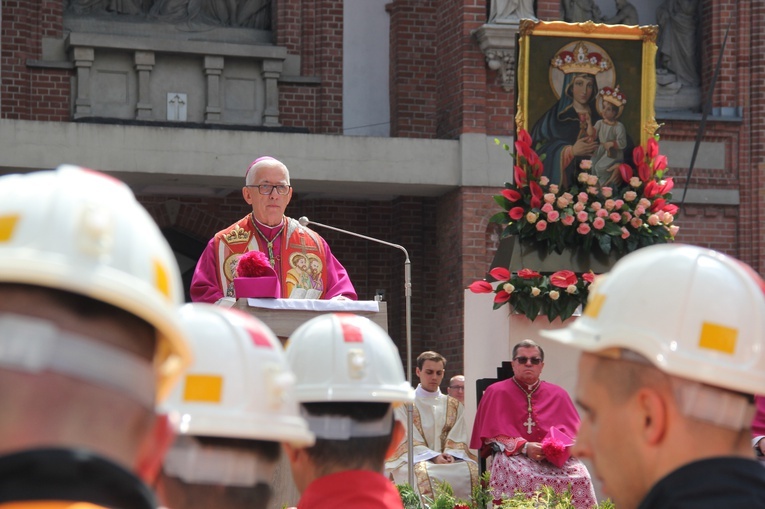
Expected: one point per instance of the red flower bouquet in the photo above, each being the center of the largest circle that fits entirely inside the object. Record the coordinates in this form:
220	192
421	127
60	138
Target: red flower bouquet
255	277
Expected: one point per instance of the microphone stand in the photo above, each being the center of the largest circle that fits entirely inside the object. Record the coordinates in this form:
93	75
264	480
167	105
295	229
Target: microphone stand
408	293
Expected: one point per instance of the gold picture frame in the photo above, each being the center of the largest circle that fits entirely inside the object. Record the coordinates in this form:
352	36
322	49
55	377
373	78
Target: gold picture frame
551	54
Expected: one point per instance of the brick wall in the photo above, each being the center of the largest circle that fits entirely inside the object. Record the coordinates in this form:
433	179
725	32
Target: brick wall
31	93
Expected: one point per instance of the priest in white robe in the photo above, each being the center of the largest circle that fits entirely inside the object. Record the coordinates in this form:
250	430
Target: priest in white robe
440	437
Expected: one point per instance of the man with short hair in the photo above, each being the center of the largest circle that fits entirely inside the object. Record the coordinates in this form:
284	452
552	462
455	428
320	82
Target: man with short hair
350	409
456	388
286	242
89	340
667	397
440	438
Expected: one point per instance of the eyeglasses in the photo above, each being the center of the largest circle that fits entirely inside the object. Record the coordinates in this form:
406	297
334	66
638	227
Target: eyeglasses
457	387
534	360
267	189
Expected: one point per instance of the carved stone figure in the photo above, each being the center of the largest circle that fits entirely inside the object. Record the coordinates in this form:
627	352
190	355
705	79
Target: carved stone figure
576	11
626	14
115	6
678	43
511	11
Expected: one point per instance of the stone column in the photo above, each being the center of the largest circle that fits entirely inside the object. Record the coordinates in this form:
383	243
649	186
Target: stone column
213	70
144	63
272	69
83	61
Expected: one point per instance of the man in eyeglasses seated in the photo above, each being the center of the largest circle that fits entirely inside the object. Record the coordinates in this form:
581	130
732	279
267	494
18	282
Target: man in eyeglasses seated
457	388
267	190
526	425
440	437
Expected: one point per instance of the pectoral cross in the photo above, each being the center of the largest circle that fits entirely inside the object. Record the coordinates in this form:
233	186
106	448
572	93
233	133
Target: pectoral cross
529	423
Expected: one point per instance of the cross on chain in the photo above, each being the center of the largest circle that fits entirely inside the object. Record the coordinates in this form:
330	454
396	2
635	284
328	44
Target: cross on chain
529	423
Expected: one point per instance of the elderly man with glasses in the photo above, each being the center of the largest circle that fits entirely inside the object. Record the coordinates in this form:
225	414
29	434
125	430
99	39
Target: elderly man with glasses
527	426
268	191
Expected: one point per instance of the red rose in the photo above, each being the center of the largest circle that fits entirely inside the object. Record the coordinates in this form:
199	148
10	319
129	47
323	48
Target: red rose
480	287
500	273
528	274
563	279
516	213
511	195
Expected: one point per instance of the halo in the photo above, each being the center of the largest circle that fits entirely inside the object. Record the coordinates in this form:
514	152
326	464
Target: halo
602	79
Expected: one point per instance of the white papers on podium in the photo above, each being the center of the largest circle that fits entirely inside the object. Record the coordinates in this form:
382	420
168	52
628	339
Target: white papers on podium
316	305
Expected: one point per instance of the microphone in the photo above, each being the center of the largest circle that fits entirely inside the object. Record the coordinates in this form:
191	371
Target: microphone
304	221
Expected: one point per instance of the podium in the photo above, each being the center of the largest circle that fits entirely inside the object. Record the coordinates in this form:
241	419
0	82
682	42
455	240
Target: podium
283	316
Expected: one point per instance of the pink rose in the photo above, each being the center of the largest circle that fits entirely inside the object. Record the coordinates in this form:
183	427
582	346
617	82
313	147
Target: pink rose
549	198
567	220
547	208
653	220
636	222
554	294
592	180
578	207
582	216
582	197
645	202
607	192
630	195
544	181
562	202
582	178
596	205
541	225
626	217
553	187
586	164
615	217
673	230
610	204
553	216
592	190
599	223
639	211
583	228
625	233
601	213
618	204
635	182
531	217
571	289
568	196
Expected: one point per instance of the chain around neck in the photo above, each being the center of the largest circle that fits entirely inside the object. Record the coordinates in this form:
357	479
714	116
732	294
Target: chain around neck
531	388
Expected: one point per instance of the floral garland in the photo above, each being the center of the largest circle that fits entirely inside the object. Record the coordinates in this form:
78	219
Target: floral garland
532	294
615	219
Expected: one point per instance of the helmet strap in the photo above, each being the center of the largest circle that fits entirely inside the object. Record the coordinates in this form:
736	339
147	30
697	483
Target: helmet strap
717	406
197	463
35	345
334	427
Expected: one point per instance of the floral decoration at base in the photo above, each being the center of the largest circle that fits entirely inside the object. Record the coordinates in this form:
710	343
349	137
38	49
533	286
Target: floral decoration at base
533	294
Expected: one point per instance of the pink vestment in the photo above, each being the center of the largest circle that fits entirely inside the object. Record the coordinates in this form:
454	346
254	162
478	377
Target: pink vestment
209	283
503	412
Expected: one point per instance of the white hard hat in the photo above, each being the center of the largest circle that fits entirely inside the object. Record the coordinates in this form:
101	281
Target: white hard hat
694	313
84	232
239	385
345	357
